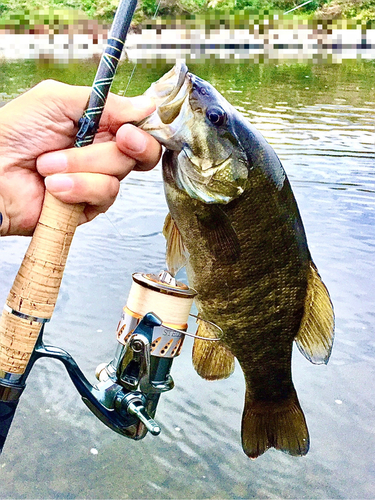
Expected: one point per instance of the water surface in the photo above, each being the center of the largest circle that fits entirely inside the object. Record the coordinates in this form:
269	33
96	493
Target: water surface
320	120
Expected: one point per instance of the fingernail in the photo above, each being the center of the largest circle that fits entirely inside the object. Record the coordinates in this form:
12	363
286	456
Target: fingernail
52	163
58	183
134	139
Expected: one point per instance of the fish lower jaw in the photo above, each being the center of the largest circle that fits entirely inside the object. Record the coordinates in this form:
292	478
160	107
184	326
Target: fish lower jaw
205	197
211	196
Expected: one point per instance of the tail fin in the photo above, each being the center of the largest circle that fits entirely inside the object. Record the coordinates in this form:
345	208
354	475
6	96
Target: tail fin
280	425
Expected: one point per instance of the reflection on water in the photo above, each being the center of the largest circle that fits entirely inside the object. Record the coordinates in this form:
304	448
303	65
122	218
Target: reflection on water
320	121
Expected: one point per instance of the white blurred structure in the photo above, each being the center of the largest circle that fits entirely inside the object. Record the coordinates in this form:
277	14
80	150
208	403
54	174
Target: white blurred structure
298	43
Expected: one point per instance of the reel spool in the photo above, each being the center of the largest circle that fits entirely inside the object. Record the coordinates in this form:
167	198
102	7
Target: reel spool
169	299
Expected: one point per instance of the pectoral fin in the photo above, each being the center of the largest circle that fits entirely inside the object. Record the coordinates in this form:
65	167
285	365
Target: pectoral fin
211	359
219	234
316	332
176	252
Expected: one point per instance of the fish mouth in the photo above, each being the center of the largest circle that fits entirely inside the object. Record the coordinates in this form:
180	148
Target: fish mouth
202	169
169	93
169	85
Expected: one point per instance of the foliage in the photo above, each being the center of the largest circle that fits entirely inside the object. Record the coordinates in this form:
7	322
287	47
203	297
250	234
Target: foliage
104	9
360	9
58	19
3	8
281	5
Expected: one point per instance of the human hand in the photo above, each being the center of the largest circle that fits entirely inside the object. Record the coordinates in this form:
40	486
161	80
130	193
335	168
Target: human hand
37	132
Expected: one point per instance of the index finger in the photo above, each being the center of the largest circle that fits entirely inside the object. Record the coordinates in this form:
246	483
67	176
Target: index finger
72	101
119	110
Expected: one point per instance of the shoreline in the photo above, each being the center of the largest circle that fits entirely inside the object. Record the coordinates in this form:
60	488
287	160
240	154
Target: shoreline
302	43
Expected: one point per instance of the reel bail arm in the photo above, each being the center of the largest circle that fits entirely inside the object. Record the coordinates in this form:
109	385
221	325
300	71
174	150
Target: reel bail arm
147	347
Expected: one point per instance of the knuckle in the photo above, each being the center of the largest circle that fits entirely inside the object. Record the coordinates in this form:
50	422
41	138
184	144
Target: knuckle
48	85
113	188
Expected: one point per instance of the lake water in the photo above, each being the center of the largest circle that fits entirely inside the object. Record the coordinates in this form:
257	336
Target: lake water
320	120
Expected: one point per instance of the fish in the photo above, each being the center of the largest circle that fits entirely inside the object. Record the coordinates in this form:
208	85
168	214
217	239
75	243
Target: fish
234	223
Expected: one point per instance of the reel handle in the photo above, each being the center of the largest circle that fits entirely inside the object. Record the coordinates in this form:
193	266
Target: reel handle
32	298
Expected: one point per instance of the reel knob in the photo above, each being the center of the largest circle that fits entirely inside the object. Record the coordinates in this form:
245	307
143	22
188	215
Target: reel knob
134	404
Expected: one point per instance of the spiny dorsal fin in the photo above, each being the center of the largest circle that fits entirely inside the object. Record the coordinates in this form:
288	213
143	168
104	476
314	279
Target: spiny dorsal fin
211	360
315	335
176	252
267	424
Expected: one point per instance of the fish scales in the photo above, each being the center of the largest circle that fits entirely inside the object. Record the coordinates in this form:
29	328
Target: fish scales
235	224
258	296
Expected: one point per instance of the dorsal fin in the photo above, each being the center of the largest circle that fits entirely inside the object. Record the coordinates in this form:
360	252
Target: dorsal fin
176	251
212	360
316	332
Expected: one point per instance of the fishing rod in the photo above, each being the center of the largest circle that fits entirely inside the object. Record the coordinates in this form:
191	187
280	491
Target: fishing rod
129	387
33	296
153	324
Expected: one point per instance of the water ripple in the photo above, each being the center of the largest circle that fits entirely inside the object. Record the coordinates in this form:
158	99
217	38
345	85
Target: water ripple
326	144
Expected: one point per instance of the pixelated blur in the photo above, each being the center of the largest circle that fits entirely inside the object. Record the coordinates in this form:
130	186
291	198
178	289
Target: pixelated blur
259	37
51	34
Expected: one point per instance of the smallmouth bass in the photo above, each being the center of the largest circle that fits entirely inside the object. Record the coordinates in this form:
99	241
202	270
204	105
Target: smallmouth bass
235	224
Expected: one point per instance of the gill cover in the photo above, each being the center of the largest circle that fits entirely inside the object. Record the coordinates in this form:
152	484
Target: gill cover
194	120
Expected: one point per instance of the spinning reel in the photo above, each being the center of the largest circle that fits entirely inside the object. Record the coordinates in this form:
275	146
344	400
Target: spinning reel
150	335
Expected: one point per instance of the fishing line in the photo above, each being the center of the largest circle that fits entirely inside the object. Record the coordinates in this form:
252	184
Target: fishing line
298	6
130	79
157	9
135	65
124	94
122	236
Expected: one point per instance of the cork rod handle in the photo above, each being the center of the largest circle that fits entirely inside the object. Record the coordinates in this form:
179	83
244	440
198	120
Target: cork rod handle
36	286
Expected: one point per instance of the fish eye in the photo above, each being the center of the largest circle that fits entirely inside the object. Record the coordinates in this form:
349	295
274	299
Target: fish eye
217	116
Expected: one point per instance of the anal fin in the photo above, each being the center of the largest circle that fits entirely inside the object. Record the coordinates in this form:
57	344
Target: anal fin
316	332
280	425
212	360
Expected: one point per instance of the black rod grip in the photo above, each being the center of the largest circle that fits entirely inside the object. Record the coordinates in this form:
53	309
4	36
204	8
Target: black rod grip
7	411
